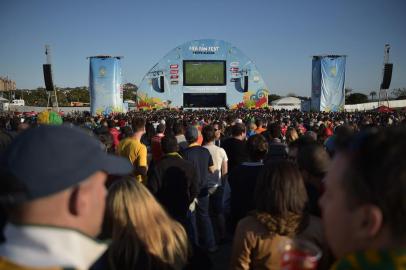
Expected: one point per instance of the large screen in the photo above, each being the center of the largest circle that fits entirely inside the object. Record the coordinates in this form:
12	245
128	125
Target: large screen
201	72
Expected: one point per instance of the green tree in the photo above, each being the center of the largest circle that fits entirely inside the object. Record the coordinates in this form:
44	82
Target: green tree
348	91
356	98
399	93
78	94
129	94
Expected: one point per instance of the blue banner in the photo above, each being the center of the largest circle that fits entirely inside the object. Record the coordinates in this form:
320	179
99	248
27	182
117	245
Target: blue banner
316	83
332	83
105	85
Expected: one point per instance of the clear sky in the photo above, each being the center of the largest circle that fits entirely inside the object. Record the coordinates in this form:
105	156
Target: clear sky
279	36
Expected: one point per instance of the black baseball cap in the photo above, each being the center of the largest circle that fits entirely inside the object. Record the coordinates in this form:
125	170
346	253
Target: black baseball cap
48	159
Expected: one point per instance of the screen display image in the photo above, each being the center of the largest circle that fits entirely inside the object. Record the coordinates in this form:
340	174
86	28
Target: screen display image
199	73
204	100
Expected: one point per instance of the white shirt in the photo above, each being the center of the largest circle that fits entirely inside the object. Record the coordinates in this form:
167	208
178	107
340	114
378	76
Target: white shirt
219	156
47	246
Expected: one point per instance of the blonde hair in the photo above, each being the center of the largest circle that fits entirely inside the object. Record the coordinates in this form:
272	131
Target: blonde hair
291	135
136	217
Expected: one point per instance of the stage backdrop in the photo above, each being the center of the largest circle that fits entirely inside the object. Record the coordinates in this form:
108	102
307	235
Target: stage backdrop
105	85
208	72
328	79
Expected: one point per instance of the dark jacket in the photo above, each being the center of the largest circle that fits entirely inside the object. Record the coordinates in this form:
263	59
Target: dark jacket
173	181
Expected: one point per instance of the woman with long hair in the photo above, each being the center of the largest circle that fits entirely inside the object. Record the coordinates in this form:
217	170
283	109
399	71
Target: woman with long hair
143	235
291	135
280	200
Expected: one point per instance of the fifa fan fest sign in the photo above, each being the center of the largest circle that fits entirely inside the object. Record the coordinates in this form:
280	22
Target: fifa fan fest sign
105	85
204	73
328	79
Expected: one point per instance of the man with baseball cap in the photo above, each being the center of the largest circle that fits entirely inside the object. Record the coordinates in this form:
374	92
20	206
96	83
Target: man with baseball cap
52	189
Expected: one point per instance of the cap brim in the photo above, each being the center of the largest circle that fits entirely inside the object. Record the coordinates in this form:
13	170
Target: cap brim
117	165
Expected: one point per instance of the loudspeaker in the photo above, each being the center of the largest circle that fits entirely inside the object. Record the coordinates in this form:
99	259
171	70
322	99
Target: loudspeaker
245	83
387	76
162	83
49	84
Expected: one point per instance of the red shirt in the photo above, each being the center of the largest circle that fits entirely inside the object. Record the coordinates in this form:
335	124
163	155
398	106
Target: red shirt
115	134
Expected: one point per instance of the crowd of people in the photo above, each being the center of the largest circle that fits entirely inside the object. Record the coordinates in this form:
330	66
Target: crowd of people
167	189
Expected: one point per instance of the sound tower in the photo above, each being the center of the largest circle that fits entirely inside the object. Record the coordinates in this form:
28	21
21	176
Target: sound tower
49	84
162	83
387	76
245	84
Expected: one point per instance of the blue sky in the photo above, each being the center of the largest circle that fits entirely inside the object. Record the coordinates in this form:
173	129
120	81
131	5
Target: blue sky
279	36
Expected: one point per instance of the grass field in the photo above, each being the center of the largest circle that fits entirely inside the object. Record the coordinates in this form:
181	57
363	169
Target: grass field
204	73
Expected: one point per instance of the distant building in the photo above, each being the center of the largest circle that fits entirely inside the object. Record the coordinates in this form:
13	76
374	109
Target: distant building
6	84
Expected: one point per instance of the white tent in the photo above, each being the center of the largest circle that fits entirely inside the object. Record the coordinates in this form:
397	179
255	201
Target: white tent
287	103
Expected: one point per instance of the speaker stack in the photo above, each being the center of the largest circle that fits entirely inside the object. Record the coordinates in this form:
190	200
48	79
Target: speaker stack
49	84
387	76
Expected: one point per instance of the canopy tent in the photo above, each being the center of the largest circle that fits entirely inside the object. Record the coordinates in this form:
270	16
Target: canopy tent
384	109
287	103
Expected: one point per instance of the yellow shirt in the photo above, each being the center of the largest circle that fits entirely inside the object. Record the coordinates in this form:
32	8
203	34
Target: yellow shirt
136	152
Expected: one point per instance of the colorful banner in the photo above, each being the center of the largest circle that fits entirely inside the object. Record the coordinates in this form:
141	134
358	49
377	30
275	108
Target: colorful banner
328	79
105	85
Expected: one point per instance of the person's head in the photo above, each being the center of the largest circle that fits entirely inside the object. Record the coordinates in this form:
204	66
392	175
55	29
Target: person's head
208	134
134	214
238	130
178	128
169	144
217	130
126	132
191	134
257	147
55	175
252	126
160	128
313	162
364	204
259	122
280	190
138	125
291	135
295	146
275	131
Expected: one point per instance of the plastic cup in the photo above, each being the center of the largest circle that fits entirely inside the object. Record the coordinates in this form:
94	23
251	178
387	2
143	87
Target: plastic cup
298	254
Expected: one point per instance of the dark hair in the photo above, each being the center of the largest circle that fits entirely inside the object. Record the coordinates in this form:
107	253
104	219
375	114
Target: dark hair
111	123
375	174
126	132
178	128
169	144
237	129
313	159
160	128
138	124
275	131
208	133
280	189
257	147
259	122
